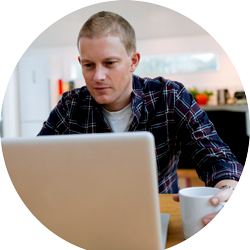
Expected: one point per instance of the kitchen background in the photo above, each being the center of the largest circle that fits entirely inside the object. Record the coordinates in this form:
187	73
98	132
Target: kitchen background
164	37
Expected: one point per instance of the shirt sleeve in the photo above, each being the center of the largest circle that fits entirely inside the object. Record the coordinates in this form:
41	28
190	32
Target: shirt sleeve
57	122
213	158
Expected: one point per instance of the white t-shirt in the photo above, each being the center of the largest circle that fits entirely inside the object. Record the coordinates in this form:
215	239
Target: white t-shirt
119	121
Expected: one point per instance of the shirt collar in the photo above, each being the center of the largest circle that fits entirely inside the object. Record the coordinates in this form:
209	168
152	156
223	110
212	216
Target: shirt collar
137	100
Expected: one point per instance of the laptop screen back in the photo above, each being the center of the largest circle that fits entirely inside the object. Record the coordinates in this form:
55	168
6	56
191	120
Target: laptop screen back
95	191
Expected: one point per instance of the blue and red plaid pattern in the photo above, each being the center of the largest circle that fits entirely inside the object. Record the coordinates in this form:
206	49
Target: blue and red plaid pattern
167	110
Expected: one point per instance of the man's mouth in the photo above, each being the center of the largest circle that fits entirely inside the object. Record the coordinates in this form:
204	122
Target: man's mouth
101	89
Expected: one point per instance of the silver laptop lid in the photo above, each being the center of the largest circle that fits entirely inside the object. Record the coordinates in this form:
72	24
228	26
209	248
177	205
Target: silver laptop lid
97	191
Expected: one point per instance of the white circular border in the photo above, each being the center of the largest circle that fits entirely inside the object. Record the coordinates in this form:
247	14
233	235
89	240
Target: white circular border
22	21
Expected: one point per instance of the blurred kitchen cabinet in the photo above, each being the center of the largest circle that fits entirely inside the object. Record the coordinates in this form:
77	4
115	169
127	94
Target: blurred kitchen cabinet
34	93
232	128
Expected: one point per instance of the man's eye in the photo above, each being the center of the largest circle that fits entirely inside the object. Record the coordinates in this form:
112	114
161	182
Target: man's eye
110	63
88	65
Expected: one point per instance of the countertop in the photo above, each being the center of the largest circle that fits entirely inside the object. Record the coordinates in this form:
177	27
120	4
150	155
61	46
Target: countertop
226	107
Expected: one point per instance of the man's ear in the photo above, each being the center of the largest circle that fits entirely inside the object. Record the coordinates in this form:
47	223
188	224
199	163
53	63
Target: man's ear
79	59
135	59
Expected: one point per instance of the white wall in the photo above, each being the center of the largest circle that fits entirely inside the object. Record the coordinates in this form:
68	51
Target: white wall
61	58
226	77
10	108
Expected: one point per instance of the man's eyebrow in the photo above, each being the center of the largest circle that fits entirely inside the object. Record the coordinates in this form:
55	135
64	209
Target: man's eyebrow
111	57
84	60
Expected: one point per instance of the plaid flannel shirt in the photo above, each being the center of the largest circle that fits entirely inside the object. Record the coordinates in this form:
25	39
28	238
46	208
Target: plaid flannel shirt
167	110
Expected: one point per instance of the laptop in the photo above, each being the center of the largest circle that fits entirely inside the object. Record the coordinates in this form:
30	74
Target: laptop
96	191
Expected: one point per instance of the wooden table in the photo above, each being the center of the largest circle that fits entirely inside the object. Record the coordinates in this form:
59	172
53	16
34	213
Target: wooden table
175	230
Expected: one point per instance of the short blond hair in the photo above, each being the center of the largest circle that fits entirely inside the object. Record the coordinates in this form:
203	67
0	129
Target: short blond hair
106	23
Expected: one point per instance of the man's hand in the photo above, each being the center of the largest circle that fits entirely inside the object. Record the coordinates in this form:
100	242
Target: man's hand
224	195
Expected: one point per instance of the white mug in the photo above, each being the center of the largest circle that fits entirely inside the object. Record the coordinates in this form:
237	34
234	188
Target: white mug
195	204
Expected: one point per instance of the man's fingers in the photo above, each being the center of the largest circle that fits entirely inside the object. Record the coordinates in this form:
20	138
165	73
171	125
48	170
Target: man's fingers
221	196
208	218
176	197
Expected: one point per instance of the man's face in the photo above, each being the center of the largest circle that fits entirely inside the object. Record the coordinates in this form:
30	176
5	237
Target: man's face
107	70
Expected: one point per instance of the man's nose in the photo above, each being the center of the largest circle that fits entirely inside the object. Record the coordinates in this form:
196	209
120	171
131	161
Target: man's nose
100	74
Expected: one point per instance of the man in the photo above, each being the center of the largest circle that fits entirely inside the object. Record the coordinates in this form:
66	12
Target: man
115	100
